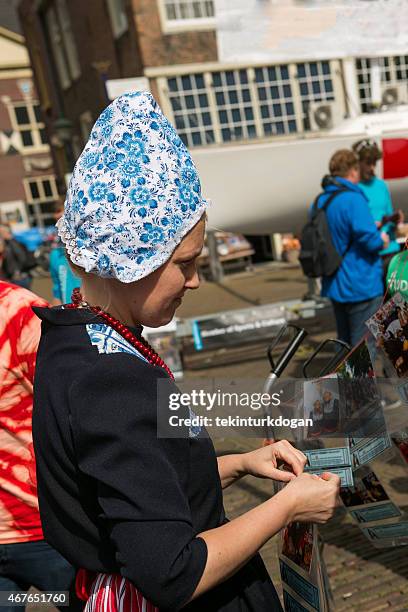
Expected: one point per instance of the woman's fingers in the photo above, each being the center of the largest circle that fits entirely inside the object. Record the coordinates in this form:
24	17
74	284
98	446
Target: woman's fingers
282	475
331	478
293	457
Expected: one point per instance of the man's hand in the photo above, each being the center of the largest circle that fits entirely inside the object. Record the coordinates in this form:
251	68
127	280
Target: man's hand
264	462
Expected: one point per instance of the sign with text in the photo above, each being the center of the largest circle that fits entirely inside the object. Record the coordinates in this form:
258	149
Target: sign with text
231	329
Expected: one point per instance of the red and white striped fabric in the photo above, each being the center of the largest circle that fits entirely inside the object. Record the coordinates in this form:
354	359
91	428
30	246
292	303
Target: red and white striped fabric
113	593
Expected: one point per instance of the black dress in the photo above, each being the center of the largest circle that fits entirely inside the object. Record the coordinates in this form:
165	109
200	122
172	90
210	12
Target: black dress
114	497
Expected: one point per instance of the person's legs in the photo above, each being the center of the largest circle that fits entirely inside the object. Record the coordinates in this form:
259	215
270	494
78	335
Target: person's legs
24	282
7	584
359	313
39	565
342	321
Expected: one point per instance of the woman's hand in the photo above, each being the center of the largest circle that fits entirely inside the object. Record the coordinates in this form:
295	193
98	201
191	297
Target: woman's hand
312	498
264	462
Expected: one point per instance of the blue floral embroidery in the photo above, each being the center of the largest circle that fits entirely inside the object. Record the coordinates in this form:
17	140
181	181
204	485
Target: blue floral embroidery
154	234
107	340
131	165
133	143
105	116
90	159
98	191
111	157
134	173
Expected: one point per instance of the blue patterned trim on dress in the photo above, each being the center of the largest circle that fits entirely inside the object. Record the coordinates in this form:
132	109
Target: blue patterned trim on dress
108	341
193	430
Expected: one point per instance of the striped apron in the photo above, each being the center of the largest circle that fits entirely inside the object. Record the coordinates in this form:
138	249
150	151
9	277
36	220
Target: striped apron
110	593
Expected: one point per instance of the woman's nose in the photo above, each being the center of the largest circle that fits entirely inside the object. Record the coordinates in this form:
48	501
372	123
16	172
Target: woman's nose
193	282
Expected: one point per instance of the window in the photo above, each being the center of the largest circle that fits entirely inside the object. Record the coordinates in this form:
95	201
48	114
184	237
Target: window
234	105
41	193
189	100
41	188
27	120
401	67
276	102
315	85
118	18
188	9
182	15
393	70
245	103
62	43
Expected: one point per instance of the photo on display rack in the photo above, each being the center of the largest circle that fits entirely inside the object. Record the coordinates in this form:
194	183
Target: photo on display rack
321	403
389	326
367	489
358	386
299	561
298	544
400	440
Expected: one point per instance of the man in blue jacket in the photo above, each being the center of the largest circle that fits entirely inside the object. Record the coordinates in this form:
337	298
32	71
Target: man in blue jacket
356	288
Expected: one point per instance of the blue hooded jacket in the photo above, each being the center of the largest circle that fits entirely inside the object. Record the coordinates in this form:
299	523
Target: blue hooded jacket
352	227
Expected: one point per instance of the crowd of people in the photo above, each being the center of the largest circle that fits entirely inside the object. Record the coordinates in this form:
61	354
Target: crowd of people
362	223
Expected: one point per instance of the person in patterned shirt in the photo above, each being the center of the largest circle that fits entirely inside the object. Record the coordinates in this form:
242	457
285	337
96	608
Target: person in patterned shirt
25	558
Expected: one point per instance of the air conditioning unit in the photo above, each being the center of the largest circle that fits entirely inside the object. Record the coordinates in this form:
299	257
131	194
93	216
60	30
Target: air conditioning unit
324	115
394	95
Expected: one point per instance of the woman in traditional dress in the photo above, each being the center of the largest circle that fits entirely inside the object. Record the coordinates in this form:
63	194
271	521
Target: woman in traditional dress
141	516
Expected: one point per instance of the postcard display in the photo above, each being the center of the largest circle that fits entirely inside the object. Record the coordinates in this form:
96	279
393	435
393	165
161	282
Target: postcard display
349	431
303	573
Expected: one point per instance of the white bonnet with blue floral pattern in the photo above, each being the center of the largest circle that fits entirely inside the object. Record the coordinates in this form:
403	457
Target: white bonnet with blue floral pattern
133	195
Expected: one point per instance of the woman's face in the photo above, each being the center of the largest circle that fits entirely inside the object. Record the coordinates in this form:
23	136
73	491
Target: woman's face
153	300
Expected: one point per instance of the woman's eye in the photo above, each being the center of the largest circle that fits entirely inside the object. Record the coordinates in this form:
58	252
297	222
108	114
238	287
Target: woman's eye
185	264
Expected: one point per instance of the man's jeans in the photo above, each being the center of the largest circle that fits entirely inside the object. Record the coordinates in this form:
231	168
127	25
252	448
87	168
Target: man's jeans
36	564
351	316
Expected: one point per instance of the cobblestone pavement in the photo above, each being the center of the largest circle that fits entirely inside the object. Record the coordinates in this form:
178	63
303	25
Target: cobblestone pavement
363	578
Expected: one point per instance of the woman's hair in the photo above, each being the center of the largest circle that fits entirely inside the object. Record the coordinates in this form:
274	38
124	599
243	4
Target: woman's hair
367	150
342	162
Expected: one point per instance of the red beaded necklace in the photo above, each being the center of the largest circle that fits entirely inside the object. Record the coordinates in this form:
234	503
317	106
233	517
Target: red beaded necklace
140	345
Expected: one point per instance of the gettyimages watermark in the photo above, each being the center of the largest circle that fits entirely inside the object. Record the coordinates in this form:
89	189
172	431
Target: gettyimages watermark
223	407
295	409
213	401
209	400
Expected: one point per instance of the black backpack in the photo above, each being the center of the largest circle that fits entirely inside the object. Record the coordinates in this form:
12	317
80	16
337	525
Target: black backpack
318	255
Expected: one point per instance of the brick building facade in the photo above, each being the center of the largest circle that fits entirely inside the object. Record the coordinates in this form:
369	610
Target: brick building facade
28	187
77	46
